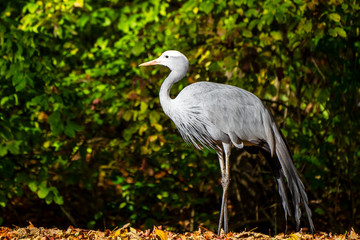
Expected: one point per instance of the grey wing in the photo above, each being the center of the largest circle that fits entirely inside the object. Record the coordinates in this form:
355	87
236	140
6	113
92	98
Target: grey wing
241	116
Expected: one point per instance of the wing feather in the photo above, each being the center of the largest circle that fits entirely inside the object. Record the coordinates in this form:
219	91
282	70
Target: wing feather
237	113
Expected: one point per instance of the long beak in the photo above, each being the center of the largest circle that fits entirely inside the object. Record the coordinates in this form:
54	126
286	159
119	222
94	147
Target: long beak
153	62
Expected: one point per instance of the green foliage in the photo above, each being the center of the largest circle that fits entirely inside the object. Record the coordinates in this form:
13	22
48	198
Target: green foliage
81	127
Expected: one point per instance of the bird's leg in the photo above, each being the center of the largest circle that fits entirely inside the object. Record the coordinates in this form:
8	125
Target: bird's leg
225	181
222	168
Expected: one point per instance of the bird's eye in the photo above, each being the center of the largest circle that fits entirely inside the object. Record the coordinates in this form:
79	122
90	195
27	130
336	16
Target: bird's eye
166	56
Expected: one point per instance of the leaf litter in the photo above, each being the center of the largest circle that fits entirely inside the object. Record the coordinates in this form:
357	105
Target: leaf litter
157	233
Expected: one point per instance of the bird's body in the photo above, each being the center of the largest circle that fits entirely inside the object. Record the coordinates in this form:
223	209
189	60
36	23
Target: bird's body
218	116
218	113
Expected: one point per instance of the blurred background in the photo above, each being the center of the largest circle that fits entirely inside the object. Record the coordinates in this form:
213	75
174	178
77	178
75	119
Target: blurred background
84	141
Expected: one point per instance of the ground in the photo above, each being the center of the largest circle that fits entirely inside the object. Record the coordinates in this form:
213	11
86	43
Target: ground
129	233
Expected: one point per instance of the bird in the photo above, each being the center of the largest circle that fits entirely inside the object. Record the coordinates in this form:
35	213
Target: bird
220	116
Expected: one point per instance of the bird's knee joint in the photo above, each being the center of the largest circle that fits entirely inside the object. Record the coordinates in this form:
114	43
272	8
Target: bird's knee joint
225	181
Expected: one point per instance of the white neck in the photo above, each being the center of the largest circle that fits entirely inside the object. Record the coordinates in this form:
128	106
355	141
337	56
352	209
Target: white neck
164	95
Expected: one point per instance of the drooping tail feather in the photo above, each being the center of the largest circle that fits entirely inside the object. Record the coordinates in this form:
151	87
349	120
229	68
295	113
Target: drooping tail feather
296	187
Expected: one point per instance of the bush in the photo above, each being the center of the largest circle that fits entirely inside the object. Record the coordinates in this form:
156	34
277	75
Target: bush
83	134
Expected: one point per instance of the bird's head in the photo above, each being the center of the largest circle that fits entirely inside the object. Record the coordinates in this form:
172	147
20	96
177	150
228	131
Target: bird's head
174	60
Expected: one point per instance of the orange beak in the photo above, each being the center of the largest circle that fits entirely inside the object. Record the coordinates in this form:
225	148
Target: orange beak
153	62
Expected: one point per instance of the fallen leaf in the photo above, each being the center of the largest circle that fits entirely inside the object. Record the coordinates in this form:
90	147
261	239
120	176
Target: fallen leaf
353	234
160	233
293	237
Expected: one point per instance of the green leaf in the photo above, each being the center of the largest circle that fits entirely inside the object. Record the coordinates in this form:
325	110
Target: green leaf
154	117
71	128
91	224
56	124
251	12
4	100
253	23
83	20
127	115
33	186
206	6
49	199
143	107
19	81
57	198
43	191
138	49
6	133
276	35
229	62
14	147
11	70
341	32
106	22
2	201
308	26
272	90
335	17
332	32
247	33
3	150
268	18
299	2
32	7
